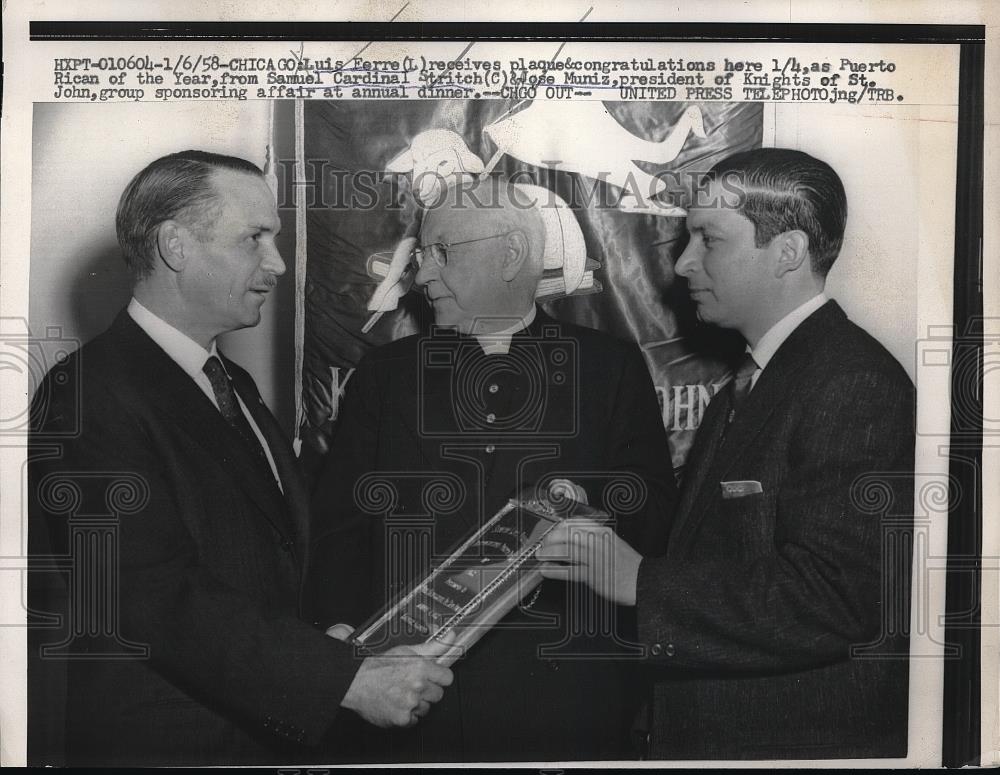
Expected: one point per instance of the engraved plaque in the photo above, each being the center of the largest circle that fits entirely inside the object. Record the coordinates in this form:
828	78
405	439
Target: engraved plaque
478	584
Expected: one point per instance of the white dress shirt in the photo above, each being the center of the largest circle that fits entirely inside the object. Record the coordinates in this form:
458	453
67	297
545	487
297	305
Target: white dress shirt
780	331
191	357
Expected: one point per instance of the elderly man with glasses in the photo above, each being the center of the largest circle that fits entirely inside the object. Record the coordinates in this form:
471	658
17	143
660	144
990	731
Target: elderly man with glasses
440	429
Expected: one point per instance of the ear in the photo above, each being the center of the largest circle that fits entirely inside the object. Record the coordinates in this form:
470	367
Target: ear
516	252
793	247
170	239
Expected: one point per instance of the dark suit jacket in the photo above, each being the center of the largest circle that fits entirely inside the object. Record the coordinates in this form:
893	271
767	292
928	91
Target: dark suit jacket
191	651
777	621
417	458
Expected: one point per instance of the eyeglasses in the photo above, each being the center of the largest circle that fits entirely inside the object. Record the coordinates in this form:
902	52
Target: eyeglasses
439	251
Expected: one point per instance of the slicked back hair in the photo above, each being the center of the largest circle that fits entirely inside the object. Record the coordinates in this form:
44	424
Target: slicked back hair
174	186
784	190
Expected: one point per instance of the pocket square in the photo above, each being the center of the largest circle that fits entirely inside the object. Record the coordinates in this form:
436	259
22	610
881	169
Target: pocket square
739	489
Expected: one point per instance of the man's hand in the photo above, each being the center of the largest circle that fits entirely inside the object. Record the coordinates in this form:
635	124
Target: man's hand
582	550
396	689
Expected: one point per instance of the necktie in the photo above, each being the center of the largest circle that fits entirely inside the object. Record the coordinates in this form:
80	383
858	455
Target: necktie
739	388
229	406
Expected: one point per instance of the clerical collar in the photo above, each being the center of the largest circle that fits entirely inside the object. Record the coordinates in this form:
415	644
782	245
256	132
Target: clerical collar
780	331
498	342
181	348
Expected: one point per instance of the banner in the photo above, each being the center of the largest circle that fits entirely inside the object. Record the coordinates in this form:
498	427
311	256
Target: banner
623	167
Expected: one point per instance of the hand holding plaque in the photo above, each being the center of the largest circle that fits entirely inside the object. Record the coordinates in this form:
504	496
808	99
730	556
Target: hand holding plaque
481	581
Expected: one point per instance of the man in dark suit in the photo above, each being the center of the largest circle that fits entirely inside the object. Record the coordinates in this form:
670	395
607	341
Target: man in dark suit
776	622
164	489
440	431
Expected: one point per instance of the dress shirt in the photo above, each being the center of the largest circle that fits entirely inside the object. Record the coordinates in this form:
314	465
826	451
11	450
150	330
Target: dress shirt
498	342
780	331
191	357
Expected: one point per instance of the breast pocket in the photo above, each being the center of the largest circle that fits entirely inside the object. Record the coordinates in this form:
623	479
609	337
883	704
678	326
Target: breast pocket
748	523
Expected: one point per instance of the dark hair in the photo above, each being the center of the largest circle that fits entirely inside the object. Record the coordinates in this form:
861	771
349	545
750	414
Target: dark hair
783	190
173	186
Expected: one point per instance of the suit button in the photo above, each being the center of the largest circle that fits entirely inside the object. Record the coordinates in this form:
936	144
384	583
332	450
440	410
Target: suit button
656	649
286	545
491	418
669	649
490	449
494	388
552	665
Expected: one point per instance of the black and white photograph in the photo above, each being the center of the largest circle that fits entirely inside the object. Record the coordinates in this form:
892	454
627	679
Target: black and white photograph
599	384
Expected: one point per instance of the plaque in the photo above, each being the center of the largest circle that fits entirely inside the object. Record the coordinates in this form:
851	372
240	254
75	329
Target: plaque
478	584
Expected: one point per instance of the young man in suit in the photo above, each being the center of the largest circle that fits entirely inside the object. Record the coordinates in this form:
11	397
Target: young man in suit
198	656
440	430
776	622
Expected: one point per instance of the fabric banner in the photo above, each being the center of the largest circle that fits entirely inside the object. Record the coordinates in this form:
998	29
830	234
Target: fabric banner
619	165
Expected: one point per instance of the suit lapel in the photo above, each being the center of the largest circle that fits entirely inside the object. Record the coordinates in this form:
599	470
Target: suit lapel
172	392
777	381
767	396
700	459
295	495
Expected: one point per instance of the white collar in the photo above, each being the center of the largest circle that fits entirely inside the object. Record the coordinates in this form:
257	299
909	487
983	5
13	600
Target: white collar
498	342
181	348
780	331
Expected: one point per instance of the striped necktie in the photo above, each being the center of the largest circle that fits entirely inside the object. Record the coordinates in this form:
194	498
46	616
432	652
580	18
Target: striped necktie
739	388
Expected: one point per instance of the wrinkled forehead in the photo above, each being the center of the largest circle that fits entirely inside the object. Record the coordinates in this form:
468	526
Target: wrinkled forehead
455	221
